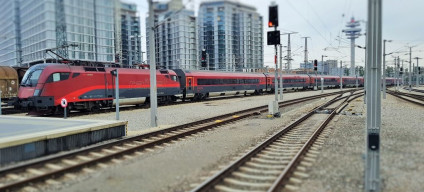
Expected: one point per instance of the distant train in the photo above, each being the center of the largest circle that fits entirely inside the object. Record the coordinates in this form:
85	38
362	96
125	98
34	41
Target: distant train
92	88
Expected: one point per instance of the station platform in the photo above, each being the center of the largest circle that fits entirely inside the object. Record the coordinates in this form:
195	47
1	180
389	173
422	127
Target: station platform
23	138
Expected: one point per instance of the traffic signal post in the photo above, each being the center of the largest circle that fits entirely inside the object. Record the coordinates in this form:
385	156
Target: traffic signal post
116	75
274	39
204	59
316	75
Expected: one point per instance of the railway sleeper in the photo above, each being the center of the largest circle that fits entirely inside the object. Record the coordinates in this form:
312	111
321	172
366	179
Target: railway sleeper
259	171
265	166
271	161
249	185
271	157
224	188
254	177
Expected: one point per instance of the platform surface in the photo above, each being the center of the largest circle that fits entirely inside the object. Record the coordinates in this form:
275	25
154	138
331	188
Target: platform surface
15	130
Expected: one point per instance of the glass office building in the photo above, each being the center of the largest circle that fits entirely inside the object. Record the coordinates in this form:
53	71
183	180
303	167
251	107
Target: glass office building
10	46
175	36
131	38
232	35
54	24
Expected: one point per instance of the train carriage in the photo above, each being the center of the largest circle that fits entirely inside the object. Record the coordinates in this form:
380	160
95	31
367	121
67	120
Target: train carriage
90	88
292	82
199	85
329	81
8	83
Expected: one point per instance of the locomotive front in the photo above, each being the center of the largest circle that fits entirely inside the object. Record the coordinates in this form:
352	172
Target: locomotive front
31	89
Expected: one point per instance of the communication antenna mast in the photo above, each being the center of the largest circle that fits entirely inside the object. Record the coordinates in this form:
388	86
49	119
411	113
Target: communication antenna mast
352	32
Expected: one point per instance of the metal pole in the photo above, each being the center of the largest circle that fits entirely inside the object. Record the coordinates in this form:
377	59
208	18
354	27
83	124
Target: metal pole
153	88
416	73
341	75
65	115
316	80
0	101
322	64
117	94
288	67
373	122
306	54
356	74
281	72
384	69
410	69
397	74
130	51
403	74
207	60
276	75
288	55
322	85
352	56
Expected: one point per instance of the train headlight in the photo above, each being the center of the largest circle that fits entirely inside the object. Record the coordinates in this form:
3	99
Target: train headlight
36	92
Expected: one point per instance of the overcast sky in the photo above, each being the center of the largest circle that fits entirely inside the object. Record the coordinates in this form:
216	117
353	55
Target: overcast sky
324	20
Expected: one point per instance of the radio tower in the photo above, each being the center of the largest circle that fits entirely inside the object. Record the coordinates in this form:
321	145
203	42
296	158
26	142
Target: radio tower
352	32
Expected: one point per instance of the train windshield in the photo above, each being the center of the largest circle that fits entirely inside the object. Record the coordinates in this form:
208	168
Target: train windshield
31	77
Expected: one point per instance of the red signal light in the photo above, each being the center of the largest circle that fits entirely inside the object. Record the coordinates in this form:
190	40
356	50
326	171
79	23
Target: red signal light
270	24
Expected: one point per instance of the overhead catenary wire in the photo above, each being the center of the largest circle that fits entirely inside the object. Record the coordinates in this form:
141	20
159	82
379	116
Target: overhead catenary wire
307	21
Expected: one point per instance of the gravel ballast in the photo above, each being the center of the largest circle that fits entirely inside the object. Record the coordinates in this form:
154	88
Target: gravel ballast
186	163
340	166
139	119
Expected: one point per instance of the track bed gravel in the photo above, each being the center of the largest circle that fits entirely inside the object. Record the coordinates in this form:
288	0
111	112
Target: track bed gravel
139	119
340	166
186	163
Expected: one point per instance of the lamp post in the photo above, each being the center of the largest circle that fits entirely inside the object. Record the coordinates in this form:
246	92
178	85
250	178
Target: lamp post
417	72
384	66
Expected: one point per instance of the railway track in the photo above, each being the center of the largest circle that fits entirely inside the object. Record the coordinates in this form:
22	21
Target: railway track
280	162
418	90
36	171
9	110
412	98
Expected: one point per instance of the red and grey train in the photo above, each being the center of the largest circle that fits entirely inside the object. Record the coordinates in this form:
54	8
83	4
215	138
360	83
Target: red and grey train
91	88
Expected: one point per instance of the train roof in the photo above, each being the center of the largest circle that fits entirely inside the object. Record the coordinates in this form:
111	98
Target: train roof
221	74
82	69
7	72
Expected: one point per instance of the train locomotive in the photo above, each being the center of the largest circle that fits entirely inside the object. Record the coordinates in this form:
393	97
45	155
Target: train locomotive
91	88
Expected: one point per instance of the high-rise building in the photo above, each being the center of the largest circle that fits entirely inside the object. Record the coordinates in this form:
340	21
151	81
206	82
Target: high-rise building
232	34
10	35
74	29
175	36
130	33
57	23
333	67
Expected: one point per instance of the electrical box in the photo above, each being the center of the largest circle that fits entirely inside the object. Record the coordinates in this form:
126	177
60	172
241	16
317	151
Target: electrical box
273	108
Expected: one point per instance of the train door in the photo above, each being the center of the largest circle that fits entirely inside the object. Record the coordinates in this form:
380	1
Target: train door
268	84
109	85
189	84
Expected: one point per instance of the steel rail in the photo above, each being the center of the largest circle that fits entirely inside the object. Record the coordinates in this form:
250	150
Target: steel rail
218	177
405	95
210	123
284	177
